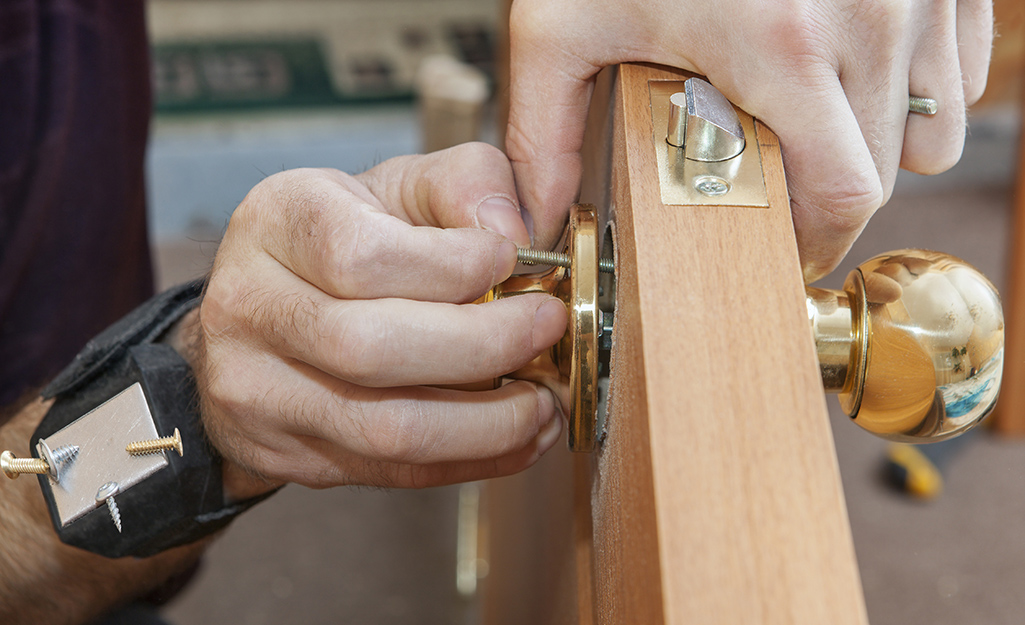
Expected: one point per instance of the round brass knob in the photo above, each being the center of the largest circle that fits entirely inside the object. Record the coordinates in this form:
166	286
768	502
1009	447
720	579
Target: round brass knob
913	345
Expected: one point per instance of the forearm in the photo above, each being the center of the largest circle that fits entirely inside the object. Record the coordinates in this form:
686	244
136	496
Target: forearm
43	581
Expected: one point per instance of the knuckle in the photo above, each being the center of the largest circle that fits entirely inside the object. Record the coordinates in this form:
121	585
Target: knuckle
530	21
362	344
403	435
793	32
882	23
479	153
222	301
357	253
847	204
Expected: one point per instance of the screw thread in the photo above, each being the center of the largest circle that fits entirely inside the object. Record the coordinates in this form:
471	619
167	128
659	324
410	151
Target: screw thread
923	106
115	514
157	445
28	465
65	454
542	257
530	256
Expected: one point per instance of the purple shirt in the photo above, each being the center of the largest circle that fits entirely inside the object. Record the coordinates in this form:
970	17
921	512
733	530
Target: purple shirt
74	112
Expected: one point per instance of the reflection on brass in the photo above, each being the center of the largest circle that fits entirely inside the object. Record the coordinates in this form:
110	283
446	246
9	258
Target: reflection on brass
925	335
913	344
680	177
571	366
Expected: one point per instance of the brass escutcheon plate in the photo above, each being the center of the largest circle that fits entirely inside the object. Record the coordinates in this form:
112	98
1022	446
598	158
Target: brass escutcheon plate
678	176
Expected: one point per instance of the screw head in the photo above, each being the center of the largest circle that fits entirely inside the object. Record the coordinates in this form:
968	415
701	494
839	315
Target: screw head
107	491
711	186
6	460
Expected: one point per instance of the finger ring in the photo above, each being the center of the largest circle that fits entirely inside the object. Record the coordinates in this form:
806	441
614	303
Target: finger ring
924	106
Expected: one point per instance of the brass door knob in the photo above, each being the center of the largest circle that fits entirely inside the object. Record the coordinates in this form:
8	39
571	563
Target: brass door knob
913	343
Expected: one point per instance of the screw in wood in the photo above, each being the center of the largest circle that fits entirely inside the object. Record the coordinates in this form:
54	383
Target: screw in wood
106	495
141	448
530	256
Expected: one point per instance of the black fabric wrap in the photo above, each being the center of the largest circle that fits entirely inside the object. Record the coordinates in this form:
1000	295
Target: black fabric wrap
145	324
178	504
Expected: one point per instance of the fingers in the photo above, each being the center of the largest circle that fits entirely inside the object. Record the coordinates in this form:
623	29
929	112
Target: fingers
332	237
319	428
468	186
975	45
550	91
933	143
392	342
831	173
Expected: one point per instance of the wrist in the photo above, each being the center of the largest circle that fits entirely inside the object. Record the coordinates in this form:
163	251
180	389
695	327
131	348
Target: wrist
239	483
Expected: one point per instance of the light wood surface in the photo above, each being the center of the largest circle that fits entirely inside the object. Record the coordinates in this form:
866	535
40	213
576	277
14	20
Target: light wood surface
1010	411
716	497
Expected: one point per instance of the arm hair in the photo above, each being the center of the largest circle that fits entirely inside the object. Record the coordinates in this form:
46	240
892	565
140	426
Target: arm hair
42	580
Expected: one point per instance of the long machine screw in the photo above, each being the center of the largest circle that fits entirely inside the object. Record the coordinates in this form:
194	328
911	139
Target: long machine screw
923	106
48	463
14	466
530	256
106	495
141	448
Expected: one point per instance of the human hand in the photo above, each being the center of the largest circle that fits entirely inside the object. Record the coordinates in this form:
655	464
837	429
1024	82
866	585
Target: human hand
831	78
336	301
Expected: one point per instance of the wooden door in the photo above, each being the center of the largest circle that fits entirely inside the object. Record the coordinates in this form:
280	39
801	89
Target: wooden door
716	496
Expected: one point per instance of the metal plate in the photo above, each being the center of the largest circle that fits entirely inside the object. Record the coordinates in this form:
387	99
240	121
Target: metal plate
677	175
102	436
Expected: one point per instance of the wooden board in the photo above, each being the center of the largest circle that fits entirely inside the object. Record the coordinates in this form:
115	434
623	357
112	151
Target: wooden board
1010	411
716	497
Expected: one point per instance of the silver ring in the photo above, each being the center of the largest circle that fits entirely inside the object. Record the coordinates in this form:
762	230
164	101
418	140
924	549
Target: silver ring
923	106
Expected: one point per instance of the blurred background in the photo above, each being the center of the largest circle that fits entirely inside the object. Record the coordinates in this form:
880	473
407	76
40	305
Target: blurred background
247	88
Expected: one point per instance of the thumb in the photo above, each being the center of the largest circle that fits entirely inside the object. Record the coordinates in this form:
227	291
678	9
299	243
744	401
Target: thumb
549	93
466	186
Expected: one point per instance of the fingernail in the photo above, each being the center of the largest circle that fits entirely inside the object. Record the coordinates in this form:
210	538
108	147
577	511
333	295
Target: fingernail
505	261
528	223
500	215
549	323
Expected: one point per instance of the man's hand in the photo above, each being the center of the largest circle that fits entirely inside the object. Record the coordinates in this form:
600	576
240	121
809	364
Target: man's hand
337	307
830	77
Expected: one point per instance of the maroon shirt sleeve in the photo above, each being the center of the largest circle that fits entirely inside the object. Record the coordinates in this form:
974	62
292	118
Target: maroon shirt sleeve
74	113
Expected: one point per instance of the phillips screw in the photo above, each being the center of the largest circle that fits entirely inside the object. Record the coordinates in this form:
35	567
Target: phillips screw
106	495
530	256
50	463
157	445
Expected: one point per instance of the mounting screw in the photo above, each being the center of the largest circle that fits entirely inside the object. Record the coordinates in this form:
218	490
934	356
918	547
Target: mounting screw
106	495
156	445
57	459
711	186
530	256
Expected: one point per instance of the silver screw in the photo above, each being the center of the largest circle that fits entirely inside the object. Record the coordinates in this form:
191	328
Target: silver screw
923	106
530	256
106	495
58	459
711	186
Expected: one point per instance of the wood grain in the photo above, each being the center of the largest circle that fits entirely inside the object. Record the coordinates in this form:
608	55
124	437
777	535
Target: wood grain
1010	411
716	497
